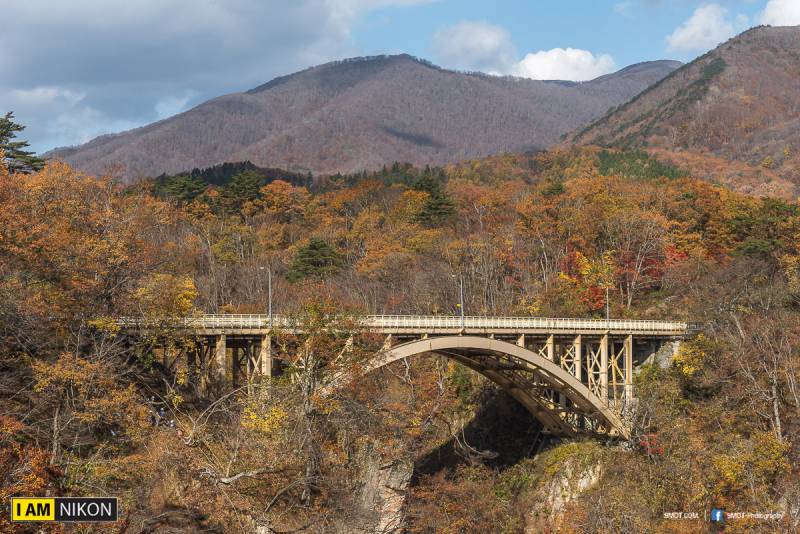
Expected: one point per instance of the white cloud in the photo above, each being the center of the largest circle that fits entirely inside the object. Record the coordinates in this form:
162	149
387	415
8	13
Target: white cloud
480	46
564	64
708	26
781	13
122	58
42	96
69	118
472	45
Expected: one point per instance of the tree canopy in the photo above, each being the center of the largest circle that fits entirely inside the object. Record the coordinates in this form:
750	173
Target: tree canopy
316	259
15	156
549	234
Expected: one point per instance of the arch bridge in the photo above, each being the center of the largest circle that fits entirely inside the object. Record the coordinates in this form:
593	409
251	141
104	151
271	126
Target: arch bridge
574	375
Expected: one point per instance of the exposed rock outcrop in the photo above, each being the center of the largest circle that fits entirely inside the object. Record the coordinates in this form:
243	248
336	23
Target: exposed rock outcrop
574	478
380	501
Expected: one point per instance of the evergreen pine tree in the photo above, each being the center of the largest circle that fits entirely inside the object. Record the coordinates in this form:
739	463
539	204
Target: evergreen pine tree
184	188
15	156
438	207
317	259
242	188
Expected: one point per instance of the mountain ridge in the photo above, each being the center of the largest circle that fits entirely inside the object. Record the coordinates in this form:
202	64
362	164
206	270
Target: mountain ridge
726	116
362	113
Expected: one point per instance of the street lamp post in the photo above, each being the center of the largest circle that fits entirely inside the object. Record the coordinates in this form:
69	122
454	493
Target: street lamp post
269	291
461	283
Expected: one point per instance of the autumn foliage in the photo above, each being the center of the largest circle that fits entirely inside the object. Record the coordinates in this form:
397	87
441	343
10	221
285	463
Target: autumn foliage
549	234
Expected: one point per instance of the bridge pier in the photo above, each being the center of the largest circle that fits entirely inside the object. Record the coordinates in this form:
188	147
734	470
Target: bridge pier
227	359
550	348
265	356
219	366
594	368
604	367
199	358
250	358
191	364
629	367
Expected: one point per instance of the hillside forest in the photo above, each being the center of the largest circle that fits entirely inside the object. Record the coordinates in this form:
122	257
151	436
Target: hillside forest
547	234
361	113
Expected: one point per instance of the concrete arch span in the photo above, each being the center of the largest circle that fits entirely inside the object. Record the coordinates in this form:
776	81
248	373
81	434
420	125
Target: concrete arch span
563	404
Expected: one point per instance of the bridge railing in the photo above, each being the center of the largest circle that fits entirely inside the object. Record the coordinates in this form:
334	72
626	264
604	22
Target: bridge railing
518	323
424	323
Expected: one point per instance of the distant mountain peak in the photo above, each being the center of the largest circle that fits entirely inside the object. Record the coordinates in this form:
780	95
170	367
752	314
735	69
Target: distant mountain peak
636	67
367	64
362	113
729	105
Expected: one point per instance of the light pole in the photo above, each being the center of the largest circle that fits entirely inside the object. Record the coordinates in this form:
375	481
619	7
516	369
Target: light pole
269	291
461	284
607	280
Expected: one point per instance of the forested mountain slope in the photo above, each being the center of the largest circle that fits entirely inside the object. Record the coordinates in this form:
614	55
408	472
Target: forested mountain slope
363	113
538	235
732	115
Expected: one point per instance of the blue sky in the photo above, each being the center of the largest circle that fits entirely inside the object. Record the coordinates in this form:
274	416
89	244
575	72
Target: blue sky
75	69
631	31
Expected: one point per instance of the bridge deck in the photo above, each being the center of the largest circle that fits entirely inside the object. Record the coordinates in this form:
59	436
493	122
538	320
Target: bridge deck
432	324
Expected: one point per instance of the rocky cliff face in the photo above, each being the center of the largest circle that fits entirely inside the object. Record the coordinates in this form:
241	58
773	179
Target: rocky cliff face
379	504
384	492
567	484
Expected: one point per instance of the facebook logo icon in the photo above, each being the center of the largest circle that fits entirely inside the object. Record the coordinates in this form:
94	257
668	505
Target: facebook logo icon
717	515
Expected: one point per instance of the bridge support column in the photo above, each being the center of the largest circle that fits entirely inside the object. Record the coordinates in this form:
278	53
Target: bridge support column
165	356
521	341
604	368
628	368
203	357
236	360
576	344
191	363
265	356
387	343
550	354
220	364
197	356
